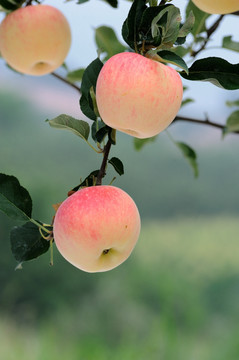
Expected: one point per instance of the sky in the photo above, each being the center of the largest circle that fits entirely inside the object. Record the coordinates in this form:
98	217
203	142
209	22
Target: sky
83	19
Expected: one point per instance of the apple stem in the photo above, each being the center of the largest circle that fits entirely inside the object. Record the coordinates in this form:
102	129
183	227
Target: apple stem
101	172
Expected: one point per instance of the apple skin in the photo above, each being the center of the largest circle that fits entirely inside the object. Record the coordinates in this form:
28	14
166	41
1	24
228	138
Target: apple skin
137	95
35	40
217	6
96	228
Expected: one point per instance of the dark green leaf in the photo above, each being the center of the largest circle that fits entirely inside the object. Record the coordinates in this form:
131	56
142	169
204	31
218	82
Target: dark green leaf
215	70
75	75
117	164
11	5
168	23
27	243
172	58
81	1
79	127
107	41
15	200
131	24
228	43
95	127
190	155
89	80
139	143
232	123
113	3
200	18
187	27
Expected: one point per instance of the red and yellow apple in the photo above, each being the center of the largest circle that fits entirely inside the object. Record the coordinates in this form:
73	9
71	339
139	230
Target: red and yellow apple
137	95
35	40
217	6
96	228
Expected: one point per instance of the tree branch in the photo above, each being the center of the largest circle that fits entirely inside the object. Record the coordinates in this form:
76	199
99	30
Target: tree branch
202	122
66	82
209	32
101	173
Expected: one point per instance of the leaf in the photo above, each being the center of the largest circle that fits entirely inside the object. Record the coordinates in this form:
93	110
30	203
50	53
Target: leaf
200	18
215	70
89	80
117	164
172	58
187	101
75	75
15	200
139	143
27	243
78	127
232	123
113	3
11	5
131	24
228	43
232	103
190	155
107	41
187	27
95	127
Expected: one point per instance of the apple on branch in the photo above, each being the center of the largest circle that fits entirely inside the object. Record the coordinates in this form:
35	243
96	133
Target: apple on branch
96	228
35	39
137	95
217	6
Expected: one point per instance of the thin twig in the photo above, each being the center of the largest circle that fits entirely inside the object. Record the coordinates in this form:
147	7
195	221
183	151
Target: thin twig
101	172
66	81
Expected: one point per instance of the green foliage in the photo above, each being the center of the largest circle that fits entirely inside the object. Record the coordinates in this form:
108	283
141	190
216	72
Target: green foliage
89	80
15	200
190	155
107	41
232	123
11	4
139	143
228	43
200	18
78	127
27	242
117	165
215	70
172	58
76	75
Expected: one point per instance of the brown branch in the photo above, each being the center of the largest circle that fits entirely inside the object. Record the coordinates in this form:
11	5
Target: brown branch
202	122
102	172
209	32
66	82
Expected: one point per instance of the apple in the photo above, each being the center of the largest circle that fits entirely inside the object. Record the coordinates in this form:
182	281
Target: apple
137	95
96	228
35	39
217	6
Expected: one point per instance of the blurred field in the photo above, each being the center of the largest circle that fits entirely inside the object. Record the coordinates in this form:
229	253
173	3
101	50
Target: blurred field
176	298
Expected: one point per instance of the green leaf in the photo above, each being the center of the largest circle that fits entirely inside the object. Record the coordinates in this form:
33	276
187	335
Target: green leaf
78	127
117	165
107	41
89	80
215	70
228	43
232	123
95	127
187	27
81	1
113	3
131	24
11	5
187	101
232	103
172	58
190	155
168	21
27	243
15	200
139	143
200	18
75	75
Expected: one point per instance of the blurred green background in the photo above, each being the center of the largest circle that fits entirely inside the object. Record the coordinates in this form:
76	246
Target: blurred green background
176	297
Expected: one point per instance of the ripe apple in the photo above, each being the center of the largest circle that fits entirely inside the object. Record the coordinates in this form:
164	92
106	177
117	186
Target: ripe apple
137	95
96	228
217	6
35	39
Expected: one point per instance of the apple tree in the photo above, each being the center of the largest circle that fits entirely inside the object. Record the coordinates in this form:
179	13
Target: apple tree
135	85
